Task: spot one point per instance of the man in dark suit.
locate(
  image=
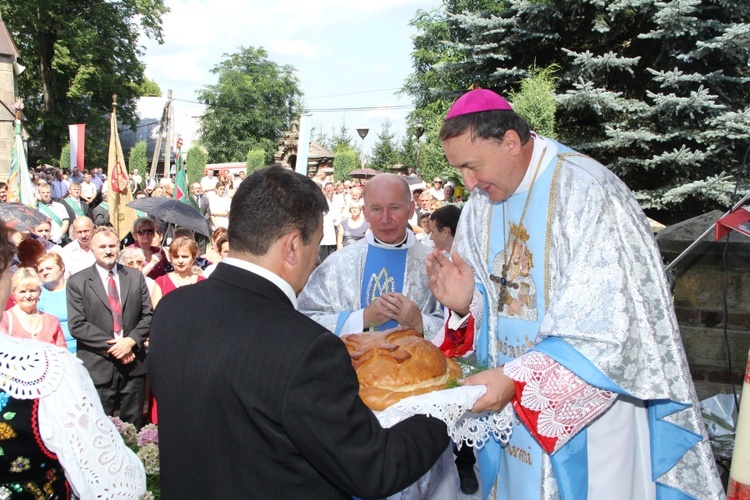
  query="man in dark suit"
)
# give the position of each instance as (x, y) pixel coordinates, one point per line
(74, 204)
(100, 213)
(109, 313)
(201, 204)
(266, 396)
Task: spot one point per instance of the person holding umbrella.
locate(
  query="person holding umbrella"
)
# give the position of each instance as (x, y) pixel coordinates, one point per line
(144, 230)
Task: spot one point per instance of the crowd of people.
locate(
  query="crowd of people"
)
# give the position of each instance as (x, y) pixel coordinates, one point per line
(246, 366)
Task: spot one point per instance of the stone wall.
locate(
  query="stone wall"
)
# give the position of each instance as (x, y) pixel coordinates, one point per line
(700, 280)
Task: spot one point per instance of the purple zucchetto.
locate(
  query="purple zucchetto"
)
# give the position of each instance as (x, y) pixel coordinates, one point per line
(476, 101)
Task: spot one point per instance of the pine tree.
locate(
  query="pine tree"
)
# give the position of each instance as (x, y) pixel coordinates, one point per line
(384, 152)
(657, 91)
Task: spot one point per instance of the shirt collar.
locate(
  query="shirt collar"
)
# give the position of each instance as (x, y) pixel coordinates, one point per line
(540, 143)
(264, 273)
(406, 243)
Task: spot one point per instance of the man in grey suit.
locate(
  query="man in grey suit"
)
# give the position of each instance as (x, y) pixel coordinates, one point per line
(109, 313)
(201, 204)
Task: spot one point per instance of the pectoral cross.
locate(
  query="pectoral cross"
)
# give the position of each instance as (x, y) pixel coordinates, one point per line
(503, 297)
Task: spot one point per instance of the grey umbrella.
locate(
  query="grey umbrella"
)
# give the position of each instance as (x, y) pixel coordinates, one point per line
(173, 211)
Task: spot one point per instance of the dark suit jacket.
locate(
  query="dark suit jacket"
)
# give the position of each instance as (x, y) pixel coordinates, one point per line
(71, 213)
(90, 321)
(203, 207)
(100, 216)
(258, 401)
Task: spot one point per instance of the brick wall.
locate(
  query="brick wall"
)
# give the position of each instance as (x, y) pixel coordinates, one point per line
(700, 280)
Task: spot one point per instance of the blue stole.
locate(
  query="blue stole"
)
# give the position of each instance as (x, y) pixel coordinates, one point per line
(384, 273)
(519, 464)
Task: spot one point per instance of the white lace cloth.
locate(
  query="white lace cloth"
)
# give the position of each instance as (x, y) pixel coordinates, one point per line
(73, 425)
(453, 406)
(565, 403)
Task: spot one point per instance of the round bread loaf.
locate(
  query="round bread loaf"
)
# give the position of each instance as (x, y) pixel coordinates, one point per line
(394, 365)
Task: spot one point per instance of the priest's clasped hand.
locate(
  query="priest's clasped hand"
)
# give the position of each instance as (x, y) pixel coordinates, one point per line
(393, 306)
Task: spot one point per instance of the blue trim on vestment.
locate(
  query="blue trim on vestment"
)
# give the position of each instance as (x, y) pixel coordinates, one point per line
(668, 441)
(374, 284)
(571, 467)
(343, 316)
(482, 343)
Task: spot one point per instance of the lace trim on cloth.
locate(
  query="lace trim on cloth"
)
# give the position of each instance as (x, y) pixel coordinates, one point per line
(106, 464)
(33, 370)
(555, 403)
(453, 406)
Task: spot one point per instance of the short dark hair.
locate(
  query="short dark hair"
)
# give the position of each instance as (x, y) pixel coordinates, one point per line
(446, 216)
(271, 203)
(486, 125)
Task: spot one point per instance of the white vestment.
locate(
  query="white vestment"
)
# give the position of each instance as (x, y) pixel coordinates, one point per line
(335, 288)
(607, 312)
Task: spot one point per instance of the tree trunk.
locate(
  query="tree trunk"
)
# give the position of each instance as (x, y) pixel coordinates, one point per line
(50, 136)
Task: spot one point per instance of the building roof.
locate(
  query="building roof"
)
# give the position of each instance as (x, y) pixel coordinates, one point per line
(318, 151)
(7, 45)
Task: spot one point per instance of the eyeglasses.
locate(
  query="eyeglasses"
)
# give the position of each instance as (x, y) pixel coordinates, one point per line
(134, 263)
(141, 232)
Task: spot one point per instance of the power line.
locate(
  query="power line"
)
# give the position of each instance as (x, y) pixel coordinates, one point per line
(318, 110)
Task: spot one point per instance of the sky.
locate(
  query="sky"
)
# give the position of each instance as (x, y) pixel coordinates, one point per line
(348, 54)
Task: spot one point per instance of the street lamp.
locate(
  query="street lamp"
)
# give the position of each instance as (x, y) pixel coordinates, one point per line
(363, 133)
(418, 132)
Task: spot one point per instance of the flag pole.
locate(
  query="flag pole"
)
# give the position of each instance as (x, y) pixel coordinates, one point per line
(120, 215)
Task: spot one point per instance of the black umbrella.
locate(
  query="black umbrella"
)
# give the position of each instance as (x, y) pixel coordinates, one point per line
(364, 173)
(21, 217)
(173, 211)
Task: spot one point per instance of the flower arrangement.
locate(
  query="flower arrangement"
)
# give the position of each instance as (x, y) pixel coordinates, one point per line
(145, 444)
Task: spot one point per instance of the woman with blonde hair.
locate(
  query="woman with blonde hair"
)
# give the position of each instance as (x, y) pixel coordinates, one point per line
(353, 228)
(54, 297)
(144, 230)
(25, 320)
(58, 442)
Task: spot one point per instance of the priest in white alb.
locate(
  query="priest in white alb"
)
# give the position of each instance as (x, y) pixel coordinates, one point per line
(378, 283)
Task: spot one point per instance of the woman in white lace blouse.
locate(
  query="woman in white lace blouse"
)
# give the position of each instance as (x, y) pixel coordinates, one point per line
(55, 435)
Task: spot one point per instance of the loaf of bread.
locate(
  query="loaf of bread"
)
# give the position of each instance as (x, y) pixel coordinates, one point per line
(395, 365)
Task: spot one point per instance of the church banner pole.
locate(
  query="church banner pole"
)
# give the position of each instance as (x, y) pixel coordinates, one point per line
(739, 473)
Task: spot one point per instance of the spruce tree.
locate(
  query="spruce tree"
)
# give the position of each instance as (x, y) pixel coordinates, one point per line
(384, 152)
(657, 91)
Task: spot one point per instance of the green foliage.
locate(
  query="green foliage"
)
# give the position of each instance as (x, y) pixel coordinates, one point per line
(138, 161)
(535, 102)
(77, 54)
(256, 159)
(196, 163)
(346, 160)
(384, 153)
(250, 107)
(432, 161)
(149, 88)
(657, 91)
(341, 141)
(65, 157)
